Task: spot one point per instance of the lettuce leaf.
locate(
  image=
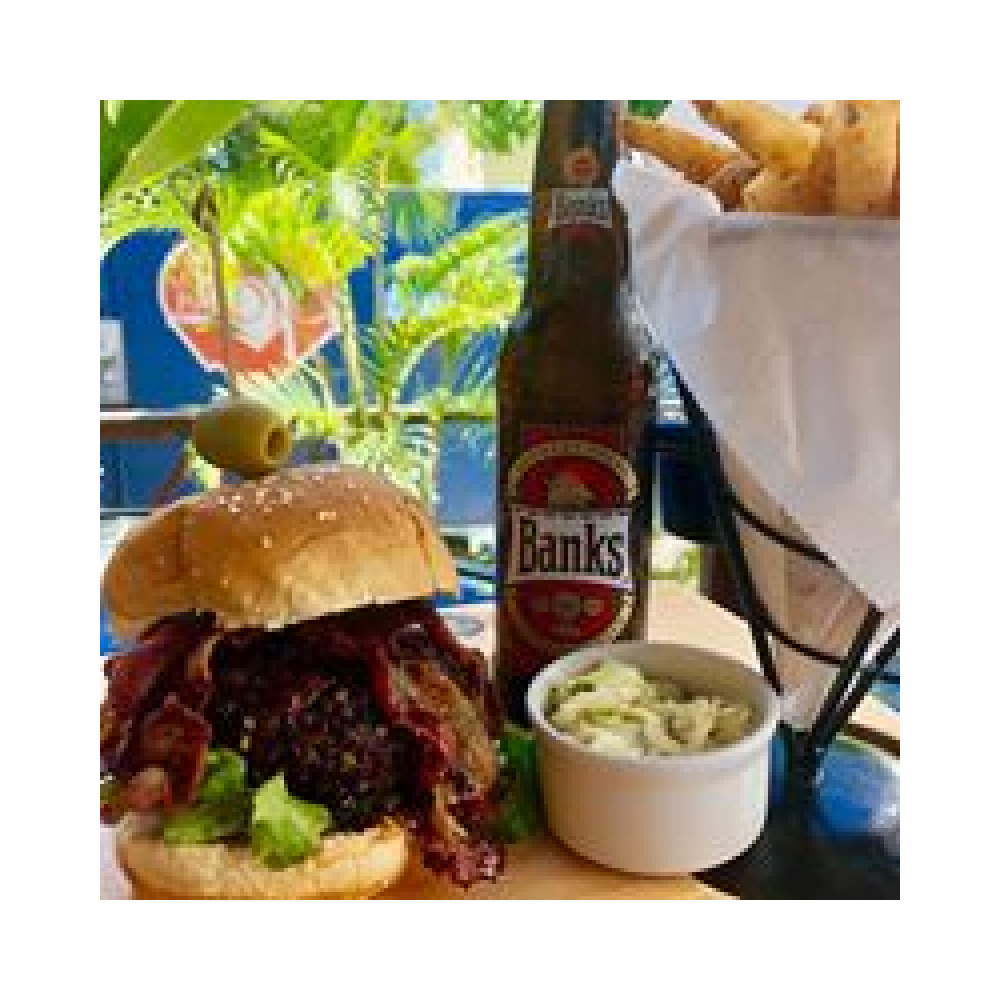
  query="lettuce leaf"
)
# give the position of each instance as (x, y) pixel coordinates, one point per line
(284, 829)
(221, 807)
(225, 777)
(519, 812)
(205, 822)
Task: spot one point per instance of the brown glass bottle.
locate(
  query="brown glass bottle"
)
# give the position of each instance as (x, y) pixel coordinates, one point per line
(575, 406)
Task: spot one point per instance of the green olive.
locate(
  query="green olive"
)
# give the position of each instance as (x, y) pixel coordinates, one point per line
(239, 435)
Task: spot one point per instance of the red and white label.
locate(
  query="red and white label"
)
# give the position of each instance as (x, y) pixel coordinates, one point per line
(568, 578)
(587, 546)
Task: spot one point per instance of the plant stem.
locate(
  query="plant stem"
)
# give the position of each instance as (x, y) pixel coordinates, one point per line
(435, 457)
(206, 216)
(349, 344)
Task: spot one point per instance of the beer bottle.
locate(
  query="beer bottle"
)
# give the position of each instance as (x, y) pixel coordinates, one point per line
(576, 397)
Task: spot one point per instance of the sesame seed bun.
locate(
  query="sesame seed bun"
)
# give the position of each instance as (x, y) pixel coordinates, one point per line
(302, 543)
(347, 865)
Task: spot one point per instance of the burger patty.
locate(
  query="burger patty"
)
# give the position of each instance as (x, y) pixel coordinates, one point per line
(321, 728)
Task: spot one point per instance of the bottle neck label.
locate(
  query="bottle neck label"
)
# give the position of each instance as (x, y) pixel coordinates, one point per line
(579, 207)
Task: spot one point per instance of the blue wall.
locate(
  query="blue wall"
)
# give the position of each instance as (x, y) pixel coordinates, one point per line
(162, 372)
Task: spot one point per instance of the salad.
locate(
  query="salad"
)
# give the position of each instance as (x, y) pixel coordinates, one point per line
(614, 708)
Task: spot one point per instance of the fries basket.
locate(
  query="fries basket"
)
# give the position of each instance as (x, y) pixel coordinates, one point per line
(852, 672)
(802, 852)
(783, 334)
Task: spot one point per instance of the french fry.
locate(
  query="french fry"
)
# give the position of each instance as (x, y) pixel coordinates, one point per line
(838, 158)
(865, 155)
(894, 194)
(696, 157)
(728, 182)
(820, 178)
(774, 191)
(819, 112)
(764, 133)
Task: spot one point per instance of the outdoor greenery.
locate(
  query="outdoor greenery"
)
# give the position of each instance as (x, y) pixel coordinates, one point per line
(311, 190)
(306, 188)
(427, 361)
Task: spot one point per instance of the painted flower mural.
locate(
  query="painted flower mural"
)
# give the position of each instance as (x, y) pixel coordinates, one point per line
(271, 328)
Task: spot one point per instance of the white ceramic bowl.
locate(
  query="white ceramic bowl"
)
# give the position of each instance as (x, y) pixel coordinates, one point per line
(658, 815)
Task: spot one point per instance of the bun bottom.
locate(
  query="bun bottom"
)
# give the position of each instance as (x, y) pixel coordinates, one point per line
(347, 865)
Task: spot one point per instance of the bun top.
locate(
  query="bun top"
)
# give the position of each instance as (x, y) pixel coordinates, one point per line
(301, 543)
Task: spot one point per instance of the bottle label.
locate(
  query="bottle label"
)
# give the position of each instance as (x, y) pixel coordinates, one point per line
(579, 207)
(568, 577)
(575, 545)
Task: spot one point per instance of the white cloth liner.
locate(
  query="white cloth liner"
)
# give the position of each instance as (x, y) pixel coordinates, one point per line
(786, 330)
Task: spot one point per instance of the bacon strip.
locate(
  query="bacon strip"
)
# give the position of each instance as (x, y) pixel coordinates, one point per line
(409, 699)
(197, 687)
(447, 642)
(465, 861)
(457, 766)
(132, 677)
(147, 789)
(175, 739)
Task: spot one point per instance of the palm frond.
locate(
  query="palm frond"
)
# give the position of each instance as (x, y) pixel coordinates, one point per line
(301, 395)
(321, 134)
(123, 124)
(449, 296)
(421, 219)
(479, 370)
(286, 228)
(496, 241)
(403, 452)
(498, 126)
(159, 205)
(386, 349)
(402, 150)
(144, 141)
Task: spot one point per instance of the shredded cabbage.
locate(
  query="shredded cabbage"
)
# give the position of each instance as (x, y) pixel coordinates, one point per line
(617, 710)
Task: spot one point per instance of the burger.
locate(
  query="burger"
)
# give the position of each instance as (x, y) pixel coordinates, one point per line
(291, 716)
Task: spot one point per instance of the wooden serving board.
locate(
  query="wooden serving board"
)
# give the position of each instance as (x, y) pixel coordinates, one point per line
(541, 868)
(536, 869)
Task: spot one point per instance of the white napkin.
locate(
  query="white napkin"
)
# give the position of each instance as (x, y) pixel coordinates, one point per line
(786, 330)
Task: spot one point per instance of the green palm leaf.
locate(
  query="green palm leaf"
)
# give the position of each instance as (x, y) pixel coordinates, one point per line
(172, 138)
(498, 126)
(301, 394)
(155, 206)
(419, 218)
(123, 124)
(495, 242)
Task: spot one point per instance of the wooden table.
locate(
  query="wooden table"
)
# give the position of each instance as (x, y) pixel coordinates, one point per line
(129, 423)
(540, 868)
